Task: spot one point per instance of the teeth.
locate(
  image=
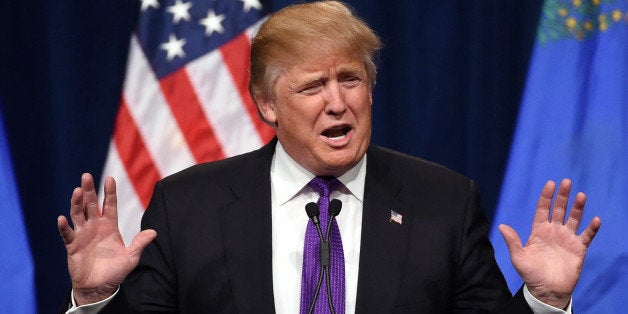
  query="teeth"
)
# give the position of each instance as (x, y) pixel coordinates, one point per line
(335, 138)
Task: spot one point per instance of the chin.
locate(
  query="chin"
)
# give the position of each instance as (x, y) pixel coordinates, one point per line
(339, 166)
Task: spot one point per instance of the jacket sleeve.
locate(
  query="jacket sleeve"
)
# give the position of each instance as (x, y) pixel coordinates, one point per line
(479, 281)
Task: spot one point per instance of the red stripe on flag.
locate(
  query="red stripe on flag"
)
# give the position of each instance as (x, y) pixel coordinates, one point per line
(236, 55)
(188, 112)
(135, 157)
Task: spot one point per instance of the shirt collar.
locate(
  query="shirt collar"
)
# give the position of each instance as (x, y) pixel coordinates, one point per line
(289, 178)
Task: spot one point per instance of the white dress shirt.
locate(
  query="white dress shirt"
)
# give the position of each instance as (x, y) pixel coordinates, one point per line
(290, 193)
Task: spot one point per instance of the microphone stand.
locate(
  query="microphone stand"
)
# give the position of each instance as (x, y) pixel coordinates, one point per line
(313, 212)
(326, 268)
(325, 249)
(334, 209)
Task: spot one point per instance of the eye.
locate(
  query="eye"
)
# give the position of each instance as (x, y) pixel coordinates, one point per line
(351, 81)
(311, 89)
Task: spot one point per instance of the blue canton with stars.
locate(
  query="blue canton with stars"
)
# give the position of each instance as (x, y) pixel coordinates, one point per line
(175, 32)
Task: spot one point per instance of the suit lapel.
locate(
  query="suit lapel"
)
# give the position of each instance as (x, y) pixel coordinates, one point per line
(247, 234)
(384, 242)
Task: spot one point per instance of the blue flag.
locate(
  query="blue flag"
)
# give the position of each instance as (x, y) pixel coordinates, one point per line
(17, 293)
(573, 123)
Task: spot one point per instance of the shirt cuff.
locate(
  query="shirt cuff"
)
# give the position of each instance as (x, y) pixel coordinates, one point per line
(539, 307)
(88, 308)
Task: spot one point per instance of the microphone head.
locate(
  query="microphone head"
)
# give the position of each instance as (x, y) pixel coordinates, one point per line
(334, 207)
(311, 209)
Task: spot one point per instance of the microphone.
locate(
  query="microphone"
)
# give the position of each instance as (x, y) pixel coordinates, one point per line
(334, 209)
(312, 211)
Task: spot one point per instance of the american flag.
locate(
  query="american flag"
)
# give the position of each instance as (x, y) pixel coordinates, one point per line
(395, 217)
(185, 98)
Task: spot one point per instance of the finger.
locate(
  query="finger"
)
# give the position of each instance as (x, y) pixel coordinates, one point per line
(560, 203)
(67, 234)
(139, 243)
(542, 207)
(511, 238)
(575, 216)
(110, 202)
(77, 214)
(589, 233)
(90, 198)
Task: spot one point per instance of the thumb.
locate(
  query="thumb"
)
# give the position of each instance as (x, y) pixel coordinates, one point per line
(511, 238)
(140, 242)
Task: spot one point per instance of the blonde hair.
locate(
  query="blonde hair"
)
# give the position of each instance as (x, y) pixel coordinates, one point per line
(295, 32)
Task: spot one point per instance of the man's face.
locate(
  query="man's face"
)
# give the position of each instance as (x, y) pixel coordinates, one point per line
(322, 113)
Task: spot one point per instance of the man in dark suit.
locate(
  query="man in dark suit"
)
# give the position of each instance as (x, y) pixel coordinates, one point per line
(228, 236)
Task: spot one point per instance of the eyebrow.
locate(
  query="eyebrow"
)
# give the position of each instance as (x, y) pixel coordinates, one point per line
(342, 70)
(350, 68)
(296, 86)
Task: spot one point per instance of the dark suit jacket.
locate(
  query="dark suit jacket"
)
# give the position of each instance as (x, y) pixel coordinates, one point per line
(212, 253)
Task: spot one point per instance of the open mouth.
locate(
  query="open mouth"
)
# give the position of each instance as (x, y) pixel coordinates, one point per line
(336, 133)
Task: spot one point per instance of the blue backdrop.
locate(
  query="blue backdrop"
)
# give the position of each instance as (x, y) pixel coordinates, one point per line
(16, 263)
(449, 87)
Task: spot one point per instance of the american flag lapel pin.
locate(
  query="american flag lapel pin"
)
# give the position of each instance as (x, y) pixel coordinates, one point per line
(395, 217)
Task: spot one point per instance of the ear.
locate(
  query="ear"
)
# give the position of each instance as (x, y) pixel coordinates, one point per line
(266, 108)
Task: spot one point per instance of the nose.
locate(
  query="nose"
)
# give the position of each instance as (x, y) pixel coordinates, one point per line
(334, 99)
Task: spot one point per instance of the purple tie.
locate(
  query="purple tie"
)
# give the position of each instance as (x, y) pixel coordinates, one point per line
(311, 260)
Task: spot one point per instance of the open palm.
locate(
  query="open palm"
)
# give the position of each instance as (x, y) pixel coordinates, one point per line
(98, 260)
(551, 261)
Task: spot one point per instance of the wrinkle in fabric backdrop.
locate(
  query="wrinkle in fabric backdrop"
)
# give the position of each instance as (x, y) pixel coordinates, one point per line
(449, 85)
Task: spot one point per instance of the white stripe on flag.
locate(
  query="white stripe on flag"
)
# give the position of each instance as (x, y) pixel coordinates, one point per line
(153, 117)
(222, 105)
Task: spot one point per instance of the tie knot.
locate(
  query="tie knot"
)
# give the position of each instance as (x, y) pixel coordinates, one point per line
(324, 185)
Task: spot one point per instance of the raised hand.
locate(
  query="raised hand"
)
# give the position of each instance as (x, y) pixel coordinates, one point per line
(551, 261)
(98, 261)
